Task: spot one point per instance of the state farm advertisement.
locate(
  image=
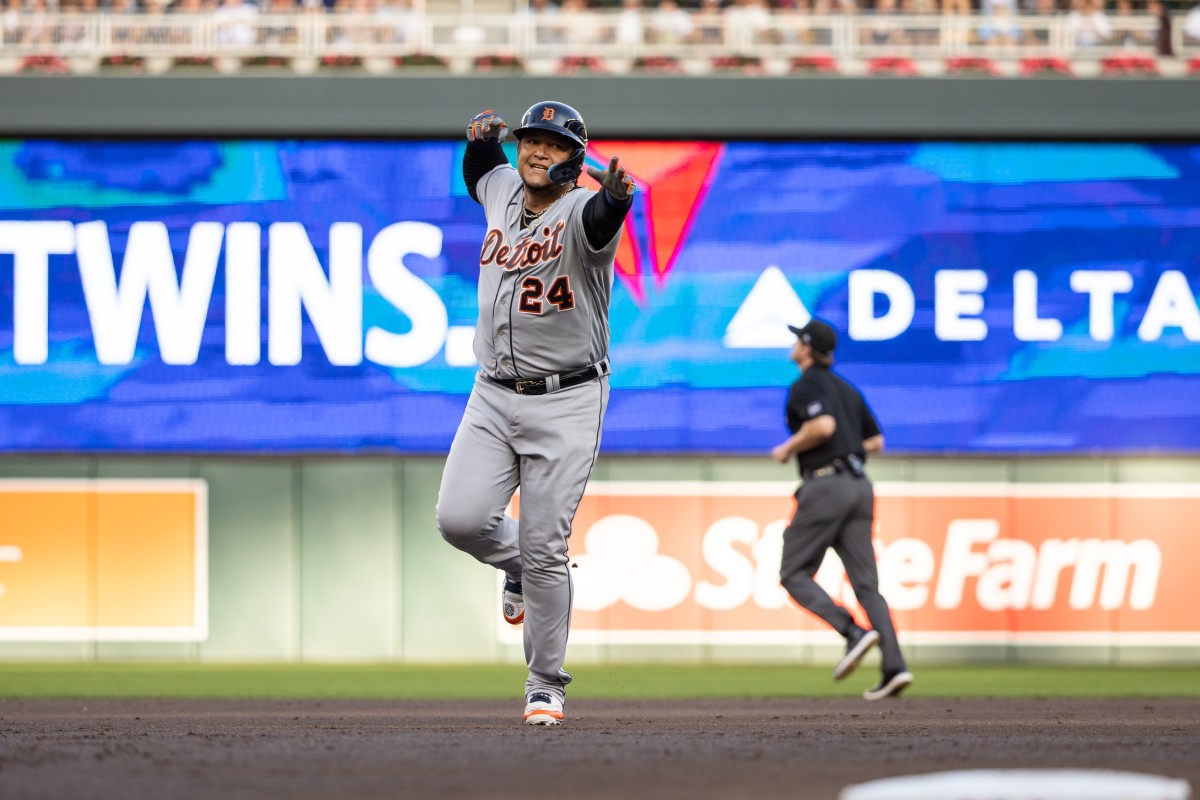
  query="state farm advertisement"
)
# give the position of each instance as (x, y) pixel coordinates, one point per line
(958, 563)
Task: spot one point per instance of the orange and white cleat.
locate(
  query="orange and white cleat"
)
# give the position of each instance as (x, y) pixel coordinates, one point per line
(512, 602)
(543, 708)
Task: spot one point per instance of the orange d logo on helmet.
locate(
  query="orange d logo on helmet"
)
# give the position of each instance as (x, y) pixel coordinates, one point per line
(548, 112)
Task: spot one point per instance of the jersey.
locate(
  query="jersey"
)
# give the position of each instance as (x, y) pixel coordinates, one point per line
(543, 291)
(819, 391)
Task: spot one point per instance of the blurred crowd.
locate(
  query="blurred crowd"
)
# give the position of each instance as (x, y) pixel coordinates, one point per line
(999, 23)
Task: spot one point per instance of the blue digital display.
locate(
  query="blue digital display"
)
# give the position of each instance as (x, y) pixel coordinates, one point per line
(319, 296)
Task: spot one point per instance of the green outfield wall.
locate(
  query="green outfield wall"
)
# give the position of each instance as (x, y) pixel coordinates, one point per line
(636, 107)
(339, 560)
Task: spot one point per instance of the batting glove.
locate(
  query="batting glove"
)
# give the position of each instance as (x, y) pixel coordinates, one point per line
(486, 126)
(615, 179)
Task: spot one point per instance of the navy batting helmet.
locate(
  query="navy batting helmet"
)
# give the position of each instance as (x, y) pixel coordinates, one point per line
(563, 120)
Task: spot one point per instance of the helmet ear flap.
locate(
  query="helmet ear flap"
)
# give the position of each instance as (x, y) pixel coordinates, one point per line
(568, 171)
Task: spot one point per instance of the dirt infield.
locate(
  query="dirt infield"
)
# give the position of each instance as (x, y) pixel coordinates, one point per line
(700, 749)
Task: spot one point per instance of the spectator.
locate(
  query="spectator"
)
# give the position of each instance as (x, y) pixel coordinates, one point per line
(187, 36)
(37, 23)
(1127, 30)
(156, 28)
(544, 17)
(750, 20)
(792, 21)
(579, 23)
(1038, 31)
(71, 32)
(192, 7)
(122, 32)
(958, 27)
(1191, 26)
(927, 32)
(11, 24)
(279, 31)
(338, 31)
(1163, 44)
(710, 22)
(999, 25)
(822, 29)
(669, 24)
(884, 27)
(629, 24)
(395, 21)
(234, 22)
(1087, 24)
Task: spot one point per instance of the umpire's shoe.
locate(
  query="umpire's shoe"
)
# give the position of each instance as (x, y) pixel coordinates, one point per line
(857, 646)
(512, 601)
(889, 686)
(543, 708)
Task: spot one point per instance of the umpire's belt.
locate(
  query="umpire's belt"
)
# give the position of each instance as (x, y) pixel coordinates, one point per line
(832, 468)
(552, 383)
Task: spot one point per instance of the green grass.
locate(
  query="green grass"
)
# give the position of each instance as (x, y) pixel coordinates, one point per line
(94, 680)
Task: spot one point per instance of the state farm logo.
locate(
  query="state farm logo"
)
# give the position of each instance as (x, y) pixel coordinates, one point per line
(958, 563)
(622, 564)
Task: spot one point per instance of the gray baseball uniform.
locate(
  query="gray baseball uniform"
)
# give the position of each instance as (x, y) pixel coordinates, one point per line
(543, 314)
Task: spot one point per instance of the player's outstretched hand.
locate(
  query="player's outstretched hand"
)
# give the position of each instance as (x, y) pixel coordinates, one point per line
(486, 126)
(618, 182)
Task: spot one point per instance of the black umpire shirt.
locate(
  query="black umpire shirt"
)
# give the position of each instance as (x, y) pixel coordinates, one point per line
(819, 391)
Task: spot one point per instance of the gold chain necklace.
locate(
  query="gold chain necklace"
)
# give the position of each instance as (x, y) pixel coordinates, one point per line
(530, 219)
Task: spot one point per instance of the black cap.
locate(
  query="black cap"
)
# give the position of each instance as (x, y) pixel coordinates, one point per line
(818, 335)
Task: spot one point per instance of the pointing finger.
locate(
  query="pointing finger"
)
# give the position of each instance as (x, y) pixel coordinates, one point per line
(595, 173)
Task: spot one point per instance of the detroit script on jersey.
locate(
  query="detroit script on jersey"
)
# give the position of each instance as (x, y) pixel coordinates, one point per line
(528, 251)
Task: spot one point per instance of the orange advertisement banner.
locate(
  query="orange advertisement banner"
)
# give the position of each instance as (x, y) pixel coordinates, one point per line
(103, 560)
(958, 563)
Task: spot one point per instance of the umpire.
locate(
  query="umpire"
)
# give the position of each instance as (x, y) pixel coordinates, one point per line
(832, 431)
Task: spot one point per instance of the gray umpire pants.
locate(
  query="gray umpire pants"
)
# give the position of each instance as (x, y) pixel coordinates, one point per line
(837, 511)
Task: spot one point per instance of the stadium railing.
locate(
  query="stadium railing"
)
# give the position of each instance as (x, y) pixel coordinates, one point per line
(597, 41)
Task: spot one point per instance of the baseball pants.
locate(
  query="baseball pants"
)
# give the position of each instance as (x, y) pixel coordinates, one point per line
(546, 444)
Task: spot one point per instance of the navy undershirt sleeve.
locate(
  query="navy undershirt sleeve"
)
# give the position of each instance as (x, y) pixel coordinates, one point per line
(480, 157)
(602, 217)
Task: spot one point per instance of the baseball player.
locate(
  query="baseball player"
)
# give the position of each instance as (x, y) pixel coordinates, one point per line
(832, 431)
(534, 416)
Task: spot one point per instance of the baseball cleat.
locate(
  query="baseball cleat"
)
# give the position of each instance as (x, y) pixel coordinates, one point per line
(889, 686)
(512, 601)
(543, 708)
(855, 650)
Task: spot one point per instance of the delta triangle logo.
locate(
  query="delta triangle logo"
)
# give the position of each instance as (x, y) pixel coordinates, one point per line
(763, 318)
(673, 179)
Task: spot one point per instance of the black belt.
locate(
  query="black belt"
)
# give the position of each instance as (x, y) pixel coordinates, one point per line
(541, 385)
(832, 468)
